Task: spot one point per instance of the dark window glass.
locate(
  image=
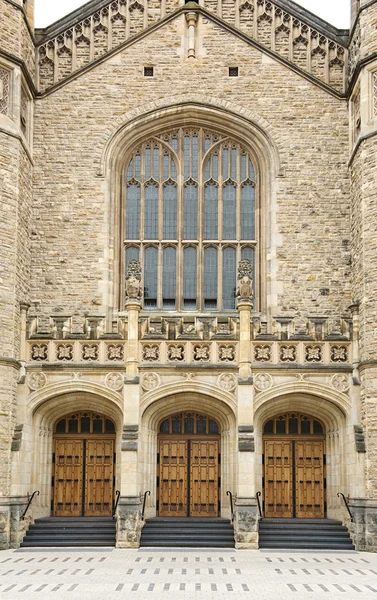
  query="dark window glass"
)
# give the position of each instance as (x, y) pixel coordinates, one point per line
(177, 425)
(305, 426)
(60, 427)
(190, 200)
(85, 424)
(151, 212)
(210, 278)
(317, 428)
(97, 425)
(201, 425)
(109, 426)
(169, 279)
(164, 427)
(170, 212)
(229, 278)
(189, 278)
(280, 425)
(150, 277)
(213, 427)
(248, 212)
(189, 425)
(229, 212)
(269, 427)
(73, 425)
(211, 211)
(293, 424)
(133, 212)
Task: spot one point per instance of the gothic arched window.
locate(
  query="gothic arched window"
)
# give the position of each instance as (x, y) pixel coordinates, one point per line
(190, 218)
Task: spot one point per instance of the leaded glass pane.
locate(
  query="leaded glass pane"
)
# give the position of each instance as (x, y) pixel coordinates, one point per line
(150, 277)
(211, 212)
(229, 278)
(210, 278)
(166, 167)
(151, 212)
(243, 166)
(169, 278)
(233, 164)
(190, 196)
(225, 168)
(129, 171)
(156, 165)
(186, 156)
(170, 212)
(189, 278)
(229, 212)
(248, 212)
(132, 253)
(137, 166)
(215, 167)
(133, 212)
(195, 156)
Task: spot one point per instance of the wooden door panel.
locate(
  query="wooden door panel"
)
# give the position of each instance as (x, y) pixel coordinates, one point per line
(309, 479)
(204, 473)
(173, 478)
(68, 477)
(278, 478)
(99, 462)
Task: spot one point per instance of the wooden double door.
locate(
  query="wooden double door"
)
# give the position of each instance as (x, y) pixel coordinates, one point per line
(294, 478)
(83, 478)
(188, 478)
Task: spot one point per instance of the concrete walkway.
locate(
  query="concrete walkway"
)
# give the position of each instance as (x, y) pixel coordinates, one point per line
(113, 574)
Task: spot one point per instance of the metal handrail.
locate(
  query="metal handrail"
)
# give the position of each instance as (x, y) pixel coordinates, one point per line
(231, 504)
(144, 501)
(258, 495)
(117, 493)
(28, 504)
(347, 506)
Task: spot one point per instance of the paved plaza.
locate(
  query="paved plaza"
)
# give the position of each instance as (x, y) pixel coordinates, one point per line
(112, 574)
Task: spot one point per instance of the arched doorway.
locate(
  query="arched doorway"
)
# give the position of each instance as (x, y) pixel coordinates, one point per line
(188, 460)
(83, 465)
(294, 479)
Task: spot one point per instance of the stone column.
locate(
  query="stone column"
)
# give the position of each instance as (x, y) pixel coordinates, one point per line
(191, 18)
(128, 514)
(246, 514)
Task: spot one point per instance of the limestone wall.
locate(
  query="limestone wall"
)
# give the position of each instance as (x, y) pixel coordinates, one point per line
(306, 214)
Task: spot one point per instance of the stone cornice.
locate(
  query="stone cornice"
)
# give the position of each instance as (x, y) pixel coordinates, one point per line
(5, 361)
(146, 32)
(368, 364)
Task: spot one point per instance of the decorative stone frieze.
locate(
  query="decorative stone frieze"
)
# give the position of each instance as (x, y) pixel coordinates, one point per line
(340, 382)
(262, 382)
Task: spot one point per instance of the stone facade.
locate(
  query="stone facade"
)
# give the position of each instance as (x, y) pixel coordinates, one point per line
(278, 81)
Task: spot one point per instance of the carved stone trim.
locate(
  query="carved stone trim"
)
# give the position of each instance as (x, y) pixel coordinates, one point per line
(129, 438)
(262, 382)
(114, 381)
(227, 382)
(246, 438)
(150, 381)
(36, 381)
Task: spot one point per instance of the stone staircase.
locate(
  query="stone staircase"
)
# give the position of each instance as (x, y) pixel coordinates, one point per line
(187, 532)
(70, 531)
(304, 534)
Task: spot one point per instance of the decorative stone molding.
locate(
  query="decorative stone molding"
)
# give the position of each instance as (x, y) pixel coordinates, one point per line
(359, 439)
(227, 353)
(130, 437)
(114, 381)
(246, 438)
(17, 438)
(115, 352)
(36, 381)
(227, 382)
(133, 281)
(150, 381)
(39, 352)
(151, 352)
(340, 382)
(262, 381)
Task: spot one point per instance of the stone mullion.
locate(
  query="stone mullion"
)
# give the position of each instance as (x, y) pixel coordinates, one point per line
(91, 37)
(128, 16)
(237, 23)
(220, 275)
(142, 194)
(273, 28)
(180, 214)
(255, 20)
(56, 60)
(145, 14)
(160, 193)
(290, 56)
(74, 49)
(200, 250)
(163, 8)
(220, 8)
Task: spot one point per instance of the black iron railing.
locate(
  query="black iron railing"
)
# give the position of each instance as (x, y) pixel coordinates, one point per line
(28, 504)
(258, 496)
(115, 506)
(231, 505)
(347, 505)
(147, 493)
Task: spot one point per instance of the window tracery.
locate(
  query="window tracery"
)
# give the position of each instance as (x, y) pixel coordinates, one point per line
(190, 201)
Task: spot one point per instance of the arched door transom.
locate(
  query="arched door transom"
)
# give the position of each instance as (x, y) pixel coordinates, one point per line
(188, 466)
(84, 457)
(294, 466)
